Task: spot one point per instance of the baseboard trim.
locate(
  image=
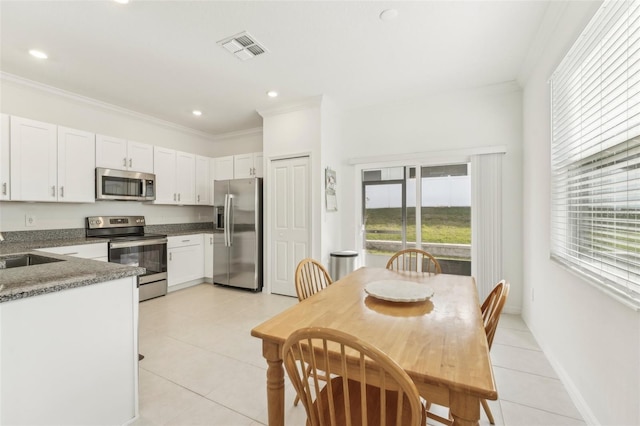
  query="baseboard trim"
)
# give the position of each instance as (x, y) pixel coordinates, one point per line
(575, 395)
(185, 284)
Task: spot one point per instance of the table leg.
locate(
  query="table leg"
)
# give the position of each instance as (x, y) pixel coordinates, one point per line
(465, 409)
(275, 383)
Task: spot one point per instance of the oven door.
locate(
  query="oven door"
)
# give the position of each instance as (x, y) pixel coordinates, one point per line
(148, 254)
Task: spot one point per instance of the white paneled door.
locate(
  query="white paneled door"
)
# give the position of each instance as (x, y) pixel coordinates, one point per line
(289, 189)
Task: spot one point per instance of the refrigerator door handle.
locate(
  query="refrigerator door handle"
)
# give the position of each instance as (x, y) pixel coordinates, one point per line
(230, 216)
(226, 220)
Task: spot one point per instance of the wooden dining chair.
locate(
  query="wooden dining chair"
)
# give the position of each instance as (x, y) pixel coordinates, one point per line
(367, 387)
(413, 259)
(310, 278)
(491, 309)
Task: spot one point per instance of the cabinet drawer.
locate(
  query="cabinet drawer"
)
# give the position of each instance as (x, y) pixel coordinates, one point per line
(184, 240)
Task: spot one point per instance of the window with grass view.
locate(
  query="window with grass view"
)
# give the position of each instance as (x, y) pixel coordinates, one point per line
(393, 196)
(595, 152)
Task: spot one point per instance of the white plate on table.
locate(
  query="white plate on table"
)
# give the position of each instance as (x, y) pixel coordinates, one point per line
(399, 291)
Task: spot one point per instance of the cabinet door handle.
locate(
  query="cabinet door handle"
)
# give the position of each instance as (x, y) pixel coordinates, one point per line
(210, 240)
(4, 188)
(185, 241)
(124, 162)
(170, 256)
(62, 192)
(178, 196)
(198, 197)
(53, 191)
(175, 198)
(130, 162)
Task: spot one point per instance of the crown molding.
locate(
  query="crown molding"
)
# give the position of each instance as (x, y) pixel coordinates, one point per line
(4, 76)
(237, 134)
(313, 102)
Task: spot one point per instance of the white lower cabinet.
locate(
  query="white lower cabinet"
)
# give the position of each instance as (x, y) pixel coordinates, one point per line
(185, 266)
(71, 356)
(208, 257)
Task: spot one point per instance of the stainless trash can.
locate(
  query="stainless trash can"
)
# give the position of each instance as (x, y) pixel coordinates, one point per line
(341, 263)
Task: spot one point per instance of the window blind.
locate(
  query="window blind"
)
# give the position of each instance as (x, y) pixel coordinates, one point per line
(595, 151)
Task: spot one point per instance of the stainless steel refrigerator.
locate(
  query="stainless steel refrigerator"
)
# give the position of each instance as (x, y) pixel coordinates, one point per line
(237, 241)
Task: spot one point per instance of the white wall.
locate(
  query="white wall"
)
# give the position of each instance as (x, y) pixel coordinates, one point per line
(464, 120)
(21, 98)
(243, 142)
(310, 128)
(592, 340)
(331, 155)
(292, 132)
(38, 103)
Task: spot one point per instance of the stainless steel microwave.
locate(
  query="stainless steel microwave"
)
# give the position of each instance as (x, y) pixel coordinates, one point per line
(124, 185)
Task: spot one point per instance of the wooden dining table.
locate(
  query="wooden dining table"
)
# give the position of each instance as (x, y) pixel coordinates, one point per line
(439, 342)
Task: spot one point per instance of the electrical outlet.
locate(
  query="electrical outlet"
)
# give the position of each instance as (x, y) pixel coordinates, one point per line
(29, 220)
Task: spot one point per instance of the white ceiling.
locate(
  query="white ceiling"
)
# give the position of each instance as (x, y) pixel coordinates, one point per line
(161, 58)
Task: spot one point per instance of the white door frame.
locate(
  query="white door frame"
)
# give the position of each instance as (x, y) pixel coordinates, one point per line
(268, 220)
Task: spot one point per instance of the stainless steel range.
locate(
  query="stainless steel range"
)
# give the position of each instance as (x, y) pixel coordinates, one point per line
(129, 245)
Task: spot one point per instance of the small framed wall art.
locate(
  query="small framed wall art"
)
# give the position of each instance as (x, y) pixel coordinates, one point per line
(330, 190)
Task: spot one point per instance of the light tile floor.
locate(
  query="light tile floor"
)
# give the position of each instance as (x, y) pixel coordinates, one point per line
(202, 367)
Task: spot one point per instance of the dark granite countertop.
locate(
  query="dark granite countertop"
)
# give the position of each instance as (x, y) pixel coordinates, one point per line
(28, 281)
(10, 247)
(19, 283)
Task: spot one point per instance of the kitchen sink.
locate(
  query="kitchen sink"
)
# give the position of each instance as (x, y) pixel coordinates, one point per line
(20, 260)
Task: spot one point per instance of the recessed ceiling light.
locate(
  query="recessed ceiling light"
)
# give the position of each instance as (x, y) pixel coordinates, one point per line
(272, 94)
(38, 54)
(122, 1)
(196, 112)
(388, 15)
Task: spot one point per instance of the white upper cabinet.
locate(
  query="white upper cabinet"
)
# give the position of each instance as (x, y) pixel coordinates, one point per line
(203, 185)
(258, 165)
(175, 176)
(111, 153)
(247, 165)
(186, 177)
(140, 156)
(76, 167)
(121, 154)
(212, 178)
(224, 168)
(5, 160)
(34, 165)
(50, 163)
(239, 166)
(164, 166)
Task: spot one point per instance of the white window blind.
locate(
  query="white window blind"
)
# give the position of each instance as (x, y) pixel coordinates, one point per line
(595, 152)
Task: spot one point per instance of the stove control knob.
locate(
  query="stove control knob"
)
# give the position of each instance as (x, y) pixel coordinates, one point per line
(98, 222)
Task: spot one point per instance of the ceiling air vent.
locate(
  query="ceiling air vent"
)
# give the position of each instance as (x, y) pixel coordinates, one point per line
(244, 46)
